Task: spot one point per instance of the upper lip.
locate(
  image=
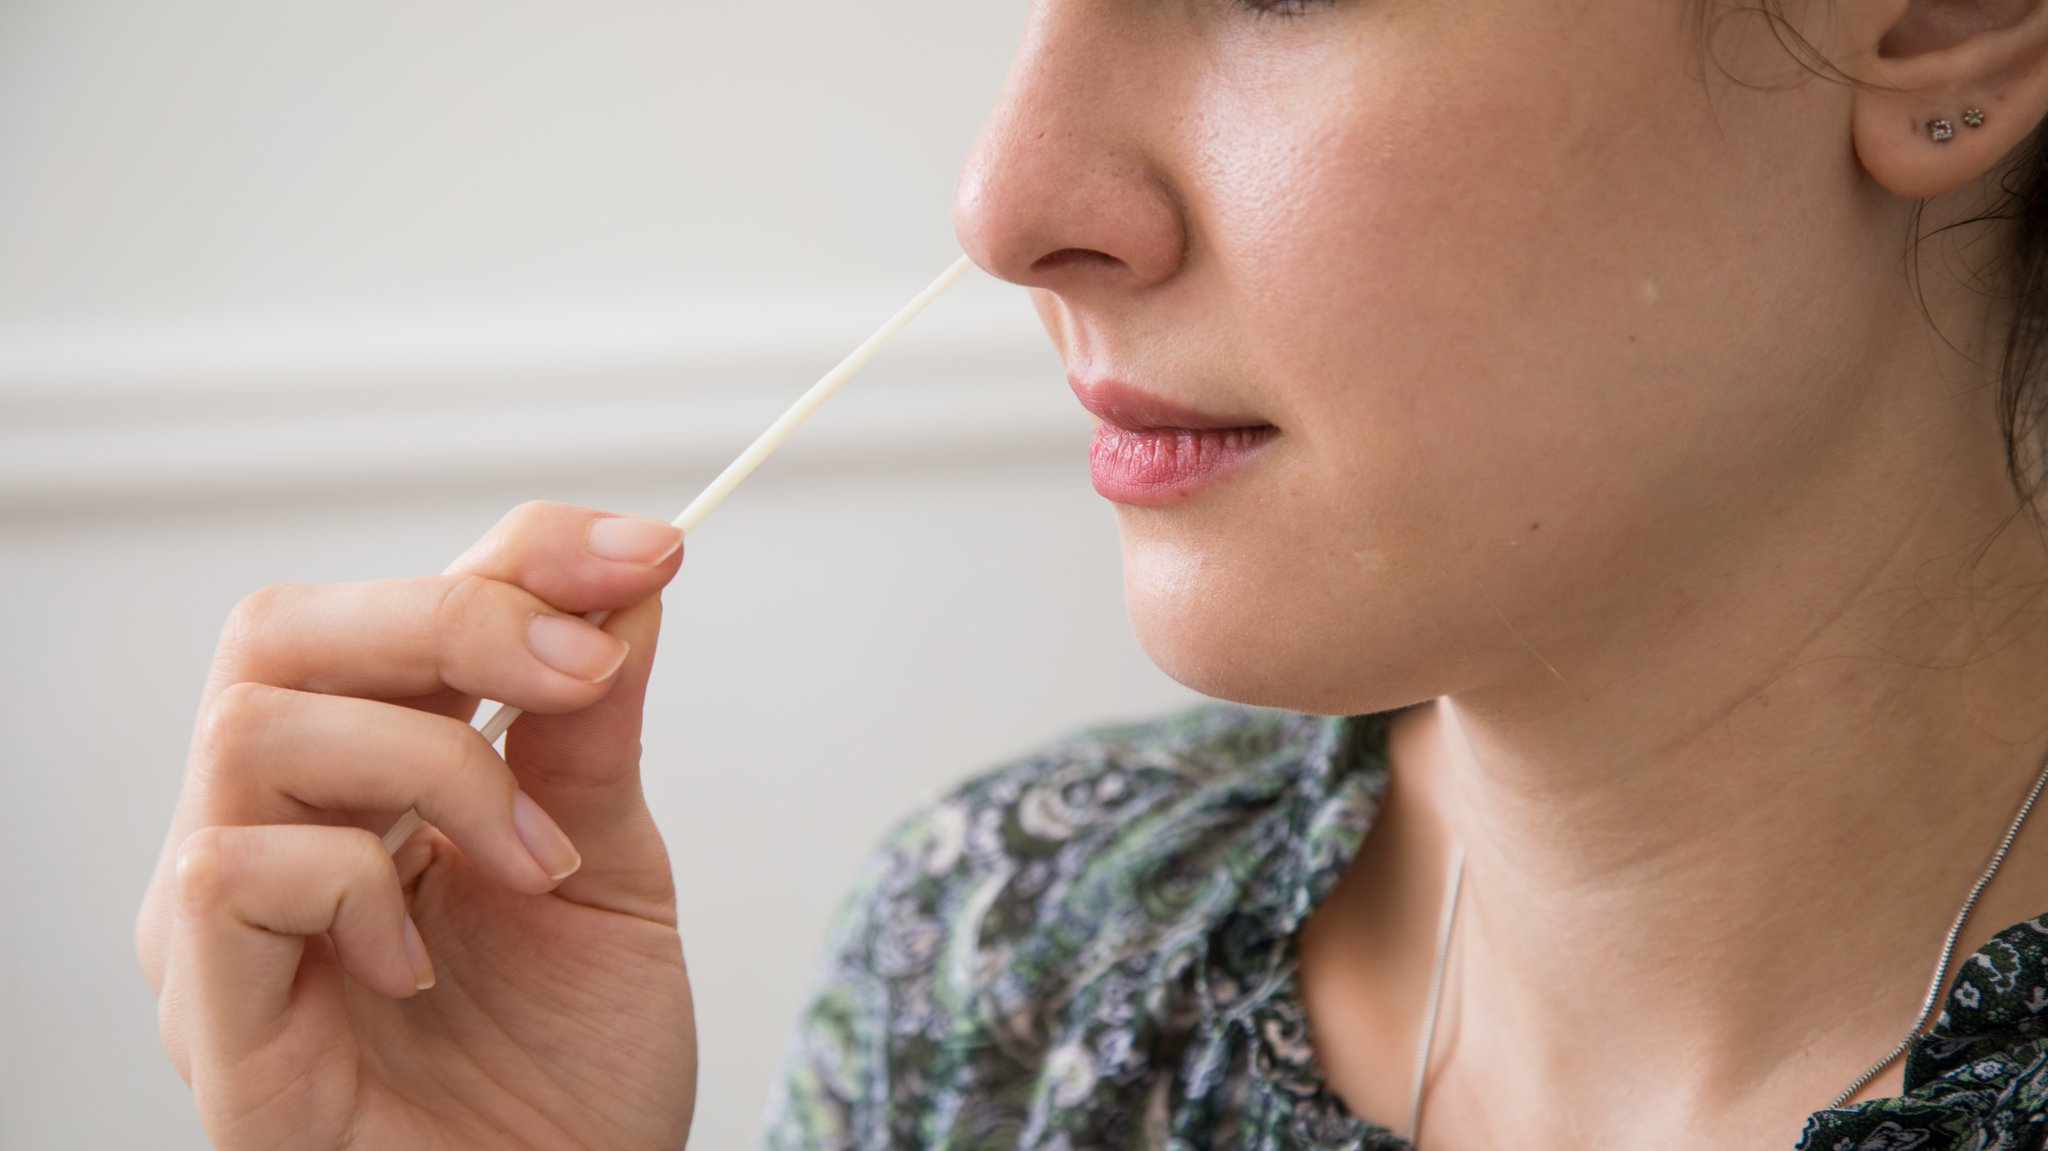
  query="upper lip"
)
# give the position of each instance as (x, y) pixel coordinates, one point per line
(1130, 408)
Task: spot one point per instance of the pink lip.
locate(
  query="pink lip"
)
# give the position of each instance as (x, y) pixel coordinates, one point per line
(1116, 402)
(1153, 452)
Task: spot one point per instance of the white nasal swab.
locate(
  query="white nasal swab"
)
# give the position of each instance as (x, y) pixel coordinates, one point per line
(736, 471)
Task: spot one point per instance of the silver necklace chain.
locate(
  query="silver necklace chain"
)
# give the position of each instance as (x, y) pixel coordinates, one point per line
(1455, 882)
(1445, 922)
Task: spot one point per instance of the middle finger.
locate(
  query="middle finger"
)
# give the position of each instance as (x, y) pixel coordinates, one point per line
(269, 755)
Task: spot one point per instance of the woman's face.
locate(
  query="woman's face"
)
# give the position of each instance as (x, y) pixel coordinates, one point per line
(1549, 303)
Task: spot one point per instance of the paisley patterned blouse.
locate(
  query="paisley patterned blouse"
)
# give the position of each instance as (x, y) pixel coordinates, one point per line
(1093, 948)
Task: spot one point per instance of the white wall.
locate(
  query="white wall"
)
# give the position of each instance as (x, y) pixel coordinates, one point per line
(309, 293)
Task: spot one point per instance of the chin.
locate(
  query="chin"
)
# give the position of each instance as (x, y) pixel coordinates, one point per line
(1252, 637)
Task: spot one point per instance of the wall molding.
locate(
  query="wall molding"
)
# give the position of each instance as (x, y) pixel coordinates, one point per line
(239, 408)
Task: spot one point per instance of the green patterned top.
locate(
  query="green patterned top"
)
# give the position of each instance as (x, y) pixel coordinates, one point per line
(1093, 947)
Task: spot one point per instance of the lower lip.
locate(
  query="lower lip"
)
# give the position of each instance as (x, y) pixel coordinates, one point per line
(1166, 465)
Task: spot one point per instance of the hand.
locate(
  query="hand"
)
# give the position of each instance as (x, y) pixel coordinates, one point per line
(292, 956)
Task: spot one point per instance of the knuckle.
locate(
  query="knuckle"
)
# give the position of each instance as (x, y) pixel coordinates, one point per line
(521, 525)
(541, 525)
(256, 604)
(259, 605)
(236, 722)
(203, 869)
(459, 598)
(362, 858)
(243, 630)
(464, 754)
(531, 514)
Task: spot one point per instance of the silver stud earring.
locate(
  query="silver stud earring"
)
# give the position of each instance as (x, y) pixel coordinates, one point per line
(1939, 130)
(1973, 117)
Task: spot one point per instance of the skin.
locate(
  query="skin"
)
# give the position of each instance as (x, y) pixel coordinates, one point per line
(274, 928)
(1611, 436)
(1611, 425)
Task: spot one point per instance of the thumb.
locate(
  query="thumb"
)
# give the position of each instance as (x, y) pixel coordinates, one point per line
(583, 769)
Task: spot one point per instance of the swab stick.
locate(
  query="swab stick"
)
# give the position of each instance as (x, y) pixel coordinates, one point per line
(730, 478)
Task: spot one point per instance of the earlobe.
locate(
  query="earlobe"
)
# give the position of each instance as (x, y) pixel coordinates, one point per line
(1917, 148)
(1949, 90)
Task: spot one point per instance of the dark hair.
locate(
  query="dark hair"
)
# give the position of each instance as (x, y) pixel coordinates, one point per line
(2024, 201)
(2019, 274)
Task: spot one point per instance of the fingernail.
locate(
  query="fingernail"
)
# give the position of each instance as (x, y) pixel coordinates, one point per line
(416, 951)
(573, 647)
(543, 839)
(634, 540)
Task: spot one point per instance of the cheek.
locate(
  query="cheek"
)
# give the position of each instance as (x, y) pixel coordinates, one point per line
(1418, 303)
(1490, 304)
(1520, 287)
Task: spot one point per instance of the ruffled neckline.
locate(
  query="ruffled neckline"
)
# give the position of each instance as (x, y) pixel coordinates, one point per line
(1979, 1076)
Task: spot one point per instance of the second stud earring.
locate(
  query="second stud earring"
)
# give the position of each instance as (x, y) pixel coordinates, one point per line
(1973, 117)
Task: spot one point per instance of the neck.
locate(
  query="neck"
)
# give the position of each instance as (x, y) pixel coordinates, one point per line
(1736, 848)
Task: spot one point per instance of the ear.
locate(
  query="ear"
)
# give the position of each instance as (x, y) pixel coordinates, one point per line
(1928, 63)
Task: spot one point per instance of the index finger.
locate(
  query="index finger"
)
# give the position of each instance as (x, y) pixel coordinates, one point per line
(573, 560)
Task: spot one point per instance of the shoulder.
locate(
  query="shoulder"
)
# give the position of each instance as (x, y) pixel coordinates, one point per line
(1067, 891)
(1095, 801)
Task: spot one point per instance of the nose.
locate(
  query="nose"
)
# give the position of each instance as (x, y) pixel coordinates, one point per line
(1064, 188)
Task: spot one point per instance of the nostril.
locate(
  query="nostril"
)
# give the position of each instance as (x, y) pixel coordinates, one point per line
(1070, 257)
